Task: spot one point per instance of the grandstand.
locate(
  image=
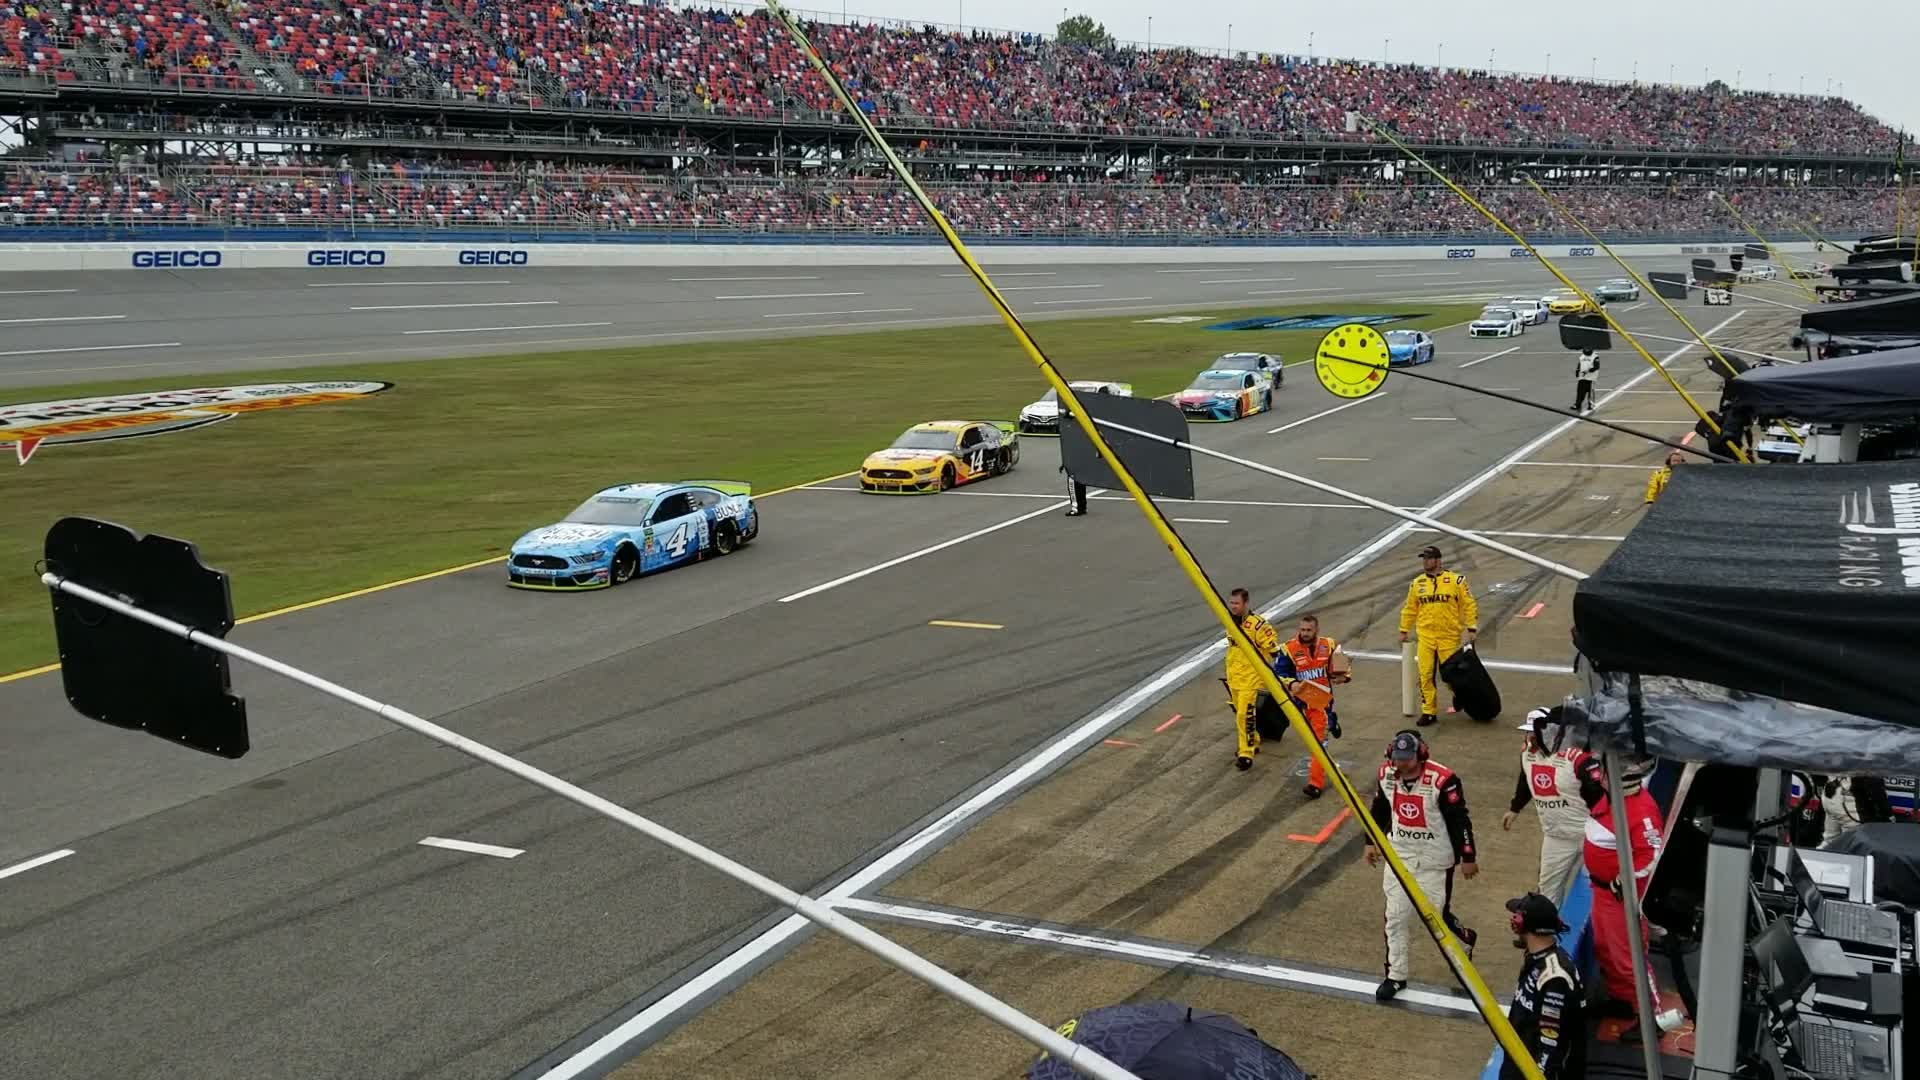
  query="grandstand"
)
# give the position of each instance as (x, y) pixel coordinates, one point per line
(647, 121)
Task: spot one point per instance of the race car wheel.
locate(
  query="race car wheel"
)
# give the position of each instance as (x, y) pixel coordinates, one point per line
(625, 565)
(1002, 461)
(726, 538)
(947, 478)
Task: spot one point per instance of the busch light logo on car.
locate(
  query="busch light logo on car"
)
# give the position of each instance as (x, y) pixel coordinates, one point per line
(176, 260)
(1519, 253)
(1580, 253)
(1461, 253)
(501, 257)
(357, 257)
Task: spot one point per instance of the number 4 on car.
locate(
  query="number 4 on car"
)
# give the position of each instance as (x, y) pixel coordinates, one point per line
(635, 529)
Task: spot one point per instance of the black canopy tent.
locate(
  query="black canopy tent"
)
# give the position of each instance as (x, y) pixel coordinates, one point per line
(1887, 314)
(1762, 616)
(1868, 388)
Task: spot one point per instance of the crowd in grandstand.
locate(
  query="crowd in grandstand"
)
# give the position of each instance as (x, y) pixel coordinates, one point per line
(427, 192)
(647, 57)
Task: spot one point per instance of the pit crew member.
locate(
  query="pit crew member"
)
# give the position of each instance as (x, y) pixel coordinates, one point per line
(1550, 779)
(1549, 1006)
(1243, 674)
(1312, 659)
(1440, 607)
(1422, 807)
(1611, 879)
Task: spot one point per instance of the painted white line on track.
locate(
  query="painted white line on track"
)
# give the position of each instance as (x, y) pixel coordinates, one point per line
(1490, 356)
(494, 329)
(65, 318)
(818, 314)
(1041, 288)
(1492, 665)
(36, 861)
(1203, 521)
(1639, 420)
(787, 295)
(755, 277)
(438, 307)
(1121, 498)
(1202, 270)
(1449, 418)
(1265, 971)
(1538, 535)
(912, 555)
(472, 848)
(86, 348)
(1344, 459)
(1021, 273)
(35, 292)
(1094, 300)
(1289, 292)
(1426, 273)
(1041, 762)
(385, 284)
(1245, 280)
(1584, 465)
(1327, 412)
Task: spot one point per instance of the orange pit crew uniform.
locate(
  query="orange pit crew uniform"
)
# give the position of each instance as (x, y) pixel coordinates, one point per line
(1313, 690)
(1438, 608)
(1243, 679)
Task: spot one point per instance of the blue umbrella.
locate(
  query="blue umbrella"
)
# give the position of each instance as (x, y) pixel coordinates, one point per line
(1162, 1040)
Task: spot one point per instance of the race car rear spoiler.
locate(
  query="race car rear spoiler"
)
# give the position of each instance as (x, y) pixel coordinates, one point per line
(1007, 427)
(726, 487)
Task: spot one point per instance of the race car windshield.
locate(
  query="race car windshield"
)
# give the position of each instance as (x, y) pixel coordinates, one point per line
(612, 510)
(1216, 382)
(1401, 337)
(1497, 314)
(1049, 398)
(1237, 363)
(924, 440)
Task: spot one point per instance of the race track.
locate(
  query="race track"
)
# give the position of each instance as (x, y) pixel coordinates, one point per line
(75, 327)
(790, 705)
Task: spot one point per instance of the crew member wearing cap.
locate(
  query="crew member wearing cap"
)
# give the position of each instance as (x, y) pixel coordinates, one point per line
(1549, 1008)
(1421, 806)
(1610, 878)
(1440, 607)
(1657, 483)
(1550, 776)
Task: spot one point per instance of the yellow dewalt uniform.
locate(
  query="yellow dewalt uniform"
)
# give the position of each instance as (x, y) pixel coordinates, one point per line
(1439, 606)
(1243, 678)
(1657, 483)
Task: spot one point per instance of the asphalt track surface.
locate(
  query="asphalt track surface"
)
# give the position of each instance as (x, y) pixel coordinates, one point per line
(790, 705)
(75, 327)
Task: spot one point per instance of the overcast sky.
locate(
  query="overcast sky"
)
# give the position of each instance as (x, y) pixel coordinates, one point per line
(1794, 44)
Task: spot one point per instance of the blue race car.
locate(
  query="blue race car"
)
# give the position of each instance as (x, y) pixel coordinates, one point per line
(1407, 347)
(635, 529)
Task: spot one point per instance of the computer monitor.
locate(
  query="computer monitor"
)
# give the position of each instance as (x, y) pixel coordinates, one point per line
(1803, 884)
(1782, 965)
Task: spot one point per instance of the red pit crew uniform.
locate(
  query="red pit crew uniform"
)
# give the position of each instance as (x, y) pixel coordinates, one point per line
(1426, 819)
(1609, 906)
(1552, 782)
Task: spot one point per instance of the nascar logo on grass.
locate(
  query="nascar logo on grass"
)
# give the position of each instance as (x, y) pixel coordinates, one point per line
(26, 427)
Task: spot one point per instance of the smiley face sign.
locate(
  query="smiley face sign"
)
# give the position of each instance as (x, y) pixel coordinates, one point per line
(1352, 360)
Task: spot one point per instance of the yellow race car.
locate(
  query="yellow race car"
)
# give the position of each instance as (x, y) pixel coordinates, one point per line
(942, 454)
(1568, 304)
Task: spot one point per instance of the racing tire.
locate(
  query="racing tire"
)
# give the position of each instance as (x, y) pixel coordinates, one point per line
(947, 478)
(626, 566)
(726, 539)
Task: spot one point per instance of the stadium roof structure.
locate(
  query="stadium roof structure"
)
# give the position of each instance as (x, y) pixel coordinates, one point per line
(1762, 616)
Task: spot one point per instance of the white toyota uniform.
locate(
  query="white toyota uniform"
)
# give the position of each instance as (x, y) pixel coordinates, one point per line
(1551, 782)
(1426, 820)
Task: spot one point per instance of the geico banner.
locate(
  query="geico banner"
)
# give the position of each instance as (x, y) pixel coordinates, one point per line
(347, 257)
(1462, 253)
(492, 257)
(1581, 253)
(181, 259)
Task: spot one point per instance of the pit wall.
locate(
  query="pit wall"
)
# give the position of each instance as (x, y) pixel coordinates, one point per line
(183, 255)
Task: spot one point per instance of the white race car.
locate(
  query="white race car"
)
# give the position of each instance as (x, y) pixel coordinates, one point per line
(1534, 311)
(1043, 416)
(1762, 272)
(1497, 322)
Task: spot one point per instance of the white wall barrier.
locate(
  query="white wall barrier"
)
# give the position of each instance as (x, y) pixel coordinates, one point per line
(190, 256)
